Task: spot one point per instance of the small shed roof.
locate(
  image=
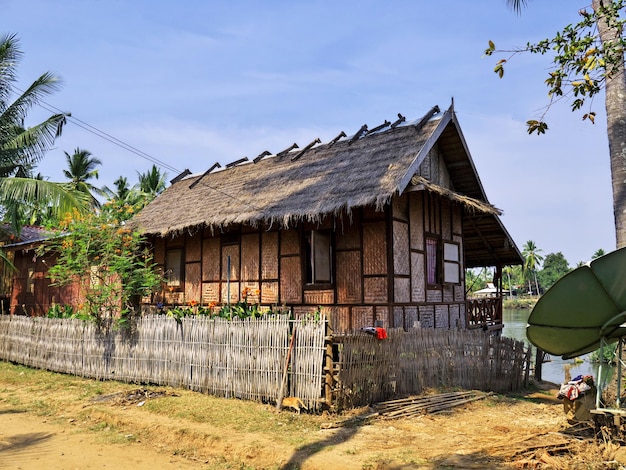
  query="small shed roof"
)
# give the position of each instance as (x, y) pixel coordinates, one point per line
(307, 184)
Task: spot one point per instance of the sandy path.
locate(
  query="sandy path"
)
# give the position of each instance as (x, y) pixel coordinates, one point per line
(31, 443)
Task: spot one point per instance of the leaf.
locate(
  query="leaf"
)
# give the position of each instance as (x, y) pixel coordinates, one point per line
(539, 127)
(499, 69)
(591, 116)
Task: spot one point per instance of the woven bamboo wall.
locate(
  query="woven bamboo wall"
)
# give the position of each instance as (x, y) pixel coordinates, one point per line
(243, 359)
(411, 362)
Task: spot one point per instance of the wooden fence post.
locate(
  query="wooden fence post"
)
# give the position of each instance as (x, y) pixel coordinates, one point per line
(328, 366)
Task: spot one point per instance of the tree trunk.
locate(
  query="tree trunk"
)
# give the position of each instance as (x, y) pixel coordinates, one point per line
(615, 103)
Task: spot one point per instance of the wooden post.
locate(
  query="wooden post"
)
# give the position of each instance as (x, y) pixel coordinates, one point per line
(539, 364)
(328, 366)
(279, 401)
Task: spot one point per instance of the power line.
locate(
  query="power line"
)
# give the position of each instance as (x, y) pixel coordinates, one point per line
(103, 135)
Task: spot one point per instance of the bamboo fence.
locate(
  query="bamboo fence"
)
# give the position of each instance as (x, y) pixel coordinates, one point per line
(246, 358)
(406, 363)
(238, 358)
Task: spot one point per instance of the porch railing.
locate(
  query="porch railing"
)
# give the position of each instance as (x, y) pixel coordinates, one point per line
(484, 313)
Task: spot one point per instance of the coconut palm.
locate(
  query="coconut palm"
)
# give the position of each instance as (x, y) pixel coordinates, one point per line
(599, 252)
(152, 182)
(532, 259)
(82, 168)
(604, 53)
(21, 148)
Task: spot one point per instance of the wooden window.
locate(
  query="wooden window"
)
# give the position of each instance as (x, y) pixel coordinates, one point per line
(318, 257)
(451, 263)
(433, 263)
(174, 268)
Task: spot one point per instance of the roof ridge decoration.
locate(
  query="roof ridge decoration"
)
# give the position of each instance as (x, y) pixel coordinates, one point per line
(215, 165)
(303, 151)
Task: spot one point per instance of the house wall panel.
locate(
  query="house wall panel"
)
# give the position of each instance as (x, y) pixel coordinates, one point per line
(446, 219)
(374, 248)
(319, 297)
(269, 293)
(231, 251)
(402, 290)
(193, 248)
(300, 311)
(252, 291)
(455, 316)
(442, 316)
(462, 315)
(269, 255)
(400, 207)
(192, 282)
(159, 250)
(211, 259)
(416, 221)
(401, 258)
(250, 261)
(210, 292)
(289, 242)
(348, 235)
(434, 296)
(418, 279)
(411, 317)
(375, 290)
(457, 219)
(349, 277)
(398, 317)
(382, 314)
(290, 280)
(427, 316)
(340, 320)
(362, 316)
(233, 288)
(175, 298)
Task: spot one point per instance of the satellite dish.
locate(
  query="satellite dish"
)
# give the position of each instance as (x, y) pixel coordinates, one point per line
(584, 306)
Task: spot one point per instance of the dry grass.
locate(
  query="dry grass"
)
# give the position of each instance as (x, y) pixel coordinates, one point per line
(527, 430)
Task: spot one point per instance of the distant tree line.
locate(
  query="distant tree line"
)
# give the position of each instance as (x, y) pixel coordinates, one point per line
(535, 276)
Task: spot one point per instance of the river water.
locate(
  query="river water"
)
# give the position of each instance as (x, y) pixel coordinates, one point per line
(555, 369)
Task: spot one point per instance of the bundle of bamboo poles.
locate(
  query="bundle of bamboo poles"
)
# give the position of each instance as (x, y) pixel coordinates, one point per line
(412, 406)
(427, 404)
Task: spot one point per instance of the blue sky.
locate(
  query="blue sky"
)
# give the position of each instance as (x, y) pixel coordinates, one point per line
(195, 82)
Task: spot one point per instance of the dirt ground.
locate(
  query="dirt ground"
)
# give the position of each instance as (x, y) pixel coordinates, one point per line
(525, 431)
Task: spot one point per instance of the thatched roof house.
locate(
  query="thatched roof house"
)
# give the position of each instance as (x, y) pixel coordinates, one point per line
(333, 178)
(403, 174)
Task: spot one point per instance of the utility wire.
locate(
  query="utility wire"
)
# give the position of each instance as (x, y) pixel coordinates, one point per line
(103, 135)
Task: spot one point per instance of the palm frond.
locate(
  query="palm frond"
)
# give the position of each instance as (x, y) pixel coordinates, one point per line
(59, 197)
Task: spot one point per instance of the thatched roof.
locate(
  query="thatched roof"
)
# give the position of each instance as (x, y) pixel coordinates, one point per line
(307, 184)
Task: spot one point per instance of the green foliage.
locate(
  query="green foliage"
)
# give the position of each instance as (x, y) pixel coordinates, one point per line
(23, 197)
(65, 311)
(108, 263)
(581, 62)
(242, 309)
(555, 266)
(605, 354)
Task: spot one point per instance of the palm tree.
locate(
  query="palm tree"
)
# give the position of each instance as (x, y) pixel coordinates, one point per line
(152, 182)
(82, 168)
(610, 31)
(532, 259)
(599, 252)
(508, 270)
(22, 148)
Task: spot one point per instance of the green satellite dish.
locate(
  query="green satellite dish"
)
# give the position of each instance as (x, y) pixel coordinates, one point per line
(582, 308)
